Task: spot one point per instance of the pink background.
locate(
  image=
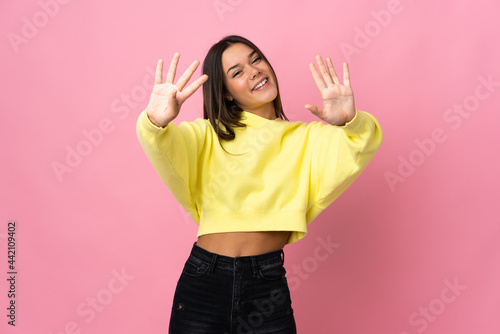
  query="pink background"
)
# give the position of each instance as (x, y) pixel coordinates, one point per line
(422, 217)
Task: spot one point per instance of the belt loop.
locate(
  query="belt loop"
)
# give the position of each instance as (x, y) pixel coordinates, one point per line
(212, 264)
(254, 266)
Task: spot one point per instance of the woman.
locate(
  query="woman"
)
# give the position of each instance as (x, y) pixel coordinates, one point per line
(250, 179)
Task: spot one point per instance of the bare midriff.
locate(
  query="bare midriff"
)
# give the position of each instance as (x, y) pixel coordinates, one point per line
(236, 244)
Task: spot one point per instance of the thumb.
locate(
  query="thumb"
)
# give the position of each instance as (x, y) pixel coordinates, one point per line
(313, 109)
(172, 101)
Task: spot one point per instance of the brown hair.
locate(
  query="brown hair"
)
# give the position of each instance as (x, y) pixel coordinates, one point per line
(216, 108)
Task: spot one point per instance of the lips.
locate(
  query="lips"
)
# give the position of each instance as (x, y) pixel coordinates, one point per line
(261, 83)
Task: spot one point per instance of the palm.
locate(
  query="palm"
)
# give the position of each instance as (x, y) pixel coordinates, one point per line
(338, 99)
(160, 97)
(338, 104)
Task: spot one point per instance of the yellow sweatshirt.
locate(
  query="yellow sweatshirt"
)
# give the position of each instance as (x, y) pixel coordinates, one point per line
(280, 175)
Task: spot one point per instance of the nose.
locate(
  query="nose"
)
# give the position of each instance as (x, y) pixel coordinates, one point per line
(254, 72)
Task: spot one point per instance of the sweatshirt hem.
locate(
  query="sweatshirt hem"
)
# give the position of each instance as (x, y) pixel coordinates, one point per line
(221, 222)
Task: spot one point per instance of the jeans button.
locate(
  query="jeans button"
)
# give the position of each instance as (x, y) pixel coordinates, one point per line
(237, 262)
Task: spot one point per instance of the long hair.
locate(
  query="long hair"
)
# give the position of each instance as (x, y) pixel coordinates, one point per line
(216, 108)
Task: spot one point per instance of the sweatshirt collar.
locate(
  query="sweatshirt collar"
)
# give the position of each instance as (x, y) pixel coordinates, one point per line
(254, 119)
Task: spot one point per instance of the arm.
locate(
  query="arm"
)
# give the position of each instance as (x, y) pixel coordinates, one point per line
(345, 146)
(174, 152)
(172, 149)
(340, 154)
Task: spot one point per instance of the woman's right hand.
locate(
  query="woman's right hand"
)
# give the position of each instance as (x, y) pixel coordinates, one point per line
(166, 99)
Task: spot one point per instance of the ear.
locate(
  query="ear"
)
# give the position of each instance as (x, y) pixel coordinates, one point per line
(228, 97)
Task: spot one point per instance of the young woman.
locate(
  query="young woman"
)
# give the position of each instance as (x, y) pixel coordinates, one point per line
(251, 180)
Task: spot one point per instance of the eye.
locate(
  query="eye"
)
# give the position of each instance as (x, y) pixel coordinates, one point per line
(236, 73)
(256, 59)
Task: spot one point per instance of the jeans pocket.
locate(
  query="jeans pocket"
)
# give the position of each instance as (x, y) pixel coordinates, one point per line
(195, 267)
(273, 271)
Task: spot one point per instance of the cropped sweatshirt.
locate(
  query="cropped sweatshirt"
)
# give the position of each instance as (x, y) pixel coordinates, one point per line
(278, 175)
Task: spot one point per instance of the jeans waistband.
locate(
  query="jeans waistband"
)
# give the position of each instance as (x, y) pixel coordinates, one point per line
(241, 262)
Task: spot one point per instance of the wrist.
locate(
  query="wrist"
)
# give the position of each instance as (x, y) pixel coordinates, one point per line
(156, 124)
(349, 119)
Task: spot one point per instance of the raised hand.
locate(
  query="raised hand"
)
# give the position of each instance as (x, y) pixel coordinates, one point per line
(166, 99)
(338, 99)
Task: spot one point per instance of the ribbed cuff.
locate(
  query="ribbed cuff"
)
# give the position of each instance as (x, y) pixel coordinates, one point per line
(357, 124)
(353, 120)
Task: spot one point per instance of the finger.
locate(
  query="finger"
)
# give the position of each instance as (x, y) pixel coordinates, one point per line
(332, 71)
(183, 80)
(347, 80)
(313, 109)
(186, 93)
(173, 68)
(158, 73)
(317, 79)
(324, 71)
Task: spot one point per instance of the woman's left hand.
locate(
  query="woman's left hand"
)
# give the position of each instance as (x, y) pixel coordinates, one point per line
(338, 99)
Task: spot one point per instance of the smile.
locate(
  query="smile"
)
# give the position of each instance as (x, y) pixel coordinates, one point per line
(260, 84)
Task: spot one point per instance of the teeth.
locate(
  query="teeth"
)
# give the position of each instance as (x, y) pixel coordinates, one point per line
(261, 84)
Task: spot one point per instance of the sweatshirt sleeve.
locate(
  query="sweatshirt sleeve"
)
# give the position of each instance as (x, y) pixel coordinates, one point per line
(174, 153)
(339, 155)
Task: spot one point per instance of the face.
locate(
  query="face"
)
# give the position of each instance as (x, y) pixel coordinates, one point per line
(248, 78)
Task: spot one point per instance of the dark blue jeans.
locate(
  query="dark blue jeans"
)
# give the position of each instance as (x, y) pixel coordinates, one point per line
(232, 295)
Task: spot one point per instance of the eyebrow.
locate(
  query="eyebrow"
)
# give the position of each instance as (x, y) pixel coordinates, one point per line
(249, 56)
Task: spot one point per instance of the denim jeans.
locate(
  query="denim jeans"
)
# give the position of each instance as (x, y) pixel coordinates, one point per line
(231, 295)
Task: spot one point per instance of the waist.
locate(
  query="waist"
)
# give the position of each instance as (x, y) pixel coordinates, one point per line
(236, 244)
(240, 262)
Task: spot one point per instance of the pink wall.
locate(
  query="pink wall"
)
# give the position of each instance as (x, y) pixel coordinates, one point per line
(415, 242)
